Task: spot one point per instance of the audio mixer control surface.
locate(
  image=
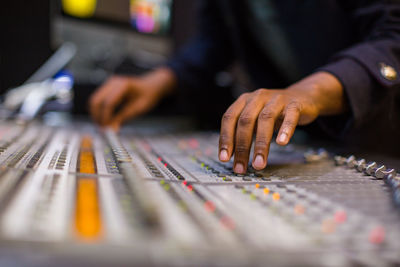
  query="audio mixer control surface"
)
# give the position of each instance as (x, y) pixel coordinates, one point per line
(163, 198)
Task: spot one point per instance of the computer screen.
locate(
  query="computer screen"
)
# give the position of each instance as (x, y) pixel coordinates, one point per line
(144, 16)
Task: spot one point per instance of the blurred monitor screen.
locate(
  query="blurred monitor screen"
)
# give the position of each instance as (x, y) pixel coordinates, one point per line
(144, 16)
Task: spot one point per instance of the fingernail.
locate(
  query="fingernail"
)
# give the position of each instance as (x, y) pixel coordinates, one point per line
(259, 162)
(239, 168)
(223, 155)
(283, 137)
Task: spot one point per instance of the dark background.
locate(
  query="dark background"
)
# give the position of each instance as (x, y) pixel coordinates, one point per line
(25, 45)
(32, 30)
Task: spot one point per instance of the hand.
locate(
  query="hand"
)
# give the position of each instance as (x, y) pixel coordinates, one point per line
(137, 95)
(263, 110)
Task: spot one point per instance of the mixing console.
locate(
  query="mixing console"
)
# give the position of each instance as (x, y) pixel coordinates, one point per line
(163, 198)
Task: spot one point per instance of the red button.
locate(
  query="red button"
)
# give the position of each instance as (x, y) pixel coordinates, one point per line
(340, 216)
(377, 235)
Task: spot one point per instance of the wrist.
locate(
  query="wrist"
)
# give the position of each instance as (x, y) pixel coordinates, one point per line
(162, 80)
(324, 90)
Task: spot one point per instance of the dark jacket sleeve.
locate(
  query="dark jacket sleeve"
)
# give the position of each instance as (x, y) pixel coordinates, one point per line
(209, 52)
(368, 69)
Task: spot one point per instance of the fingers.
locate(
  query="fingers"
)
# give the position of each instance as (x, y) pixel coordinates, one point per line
(135, 108)
(292, 115)
(104, 102)
(228, 127)
(244, 133)
(96, 102)
(265, 129)
(111, 102)
(102, 95)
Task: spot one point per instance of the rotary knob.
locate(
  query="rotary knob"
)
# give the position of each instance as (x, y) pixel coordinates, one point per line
(382, 172)
(370, 168)
(339, 160)
(351, 161)
(360, 165)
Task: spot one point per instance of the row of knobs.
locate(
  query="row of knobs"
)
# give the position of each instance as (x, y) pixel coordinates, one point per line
(380, 172)
(368, 168)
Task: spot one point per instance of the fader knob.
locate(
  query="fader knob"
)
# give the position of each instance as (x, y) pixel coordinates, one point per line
(323, 153)
(378, 170)
(370, 167)
(360, 165)
(339, 160)
(381, 173)
(351, 161)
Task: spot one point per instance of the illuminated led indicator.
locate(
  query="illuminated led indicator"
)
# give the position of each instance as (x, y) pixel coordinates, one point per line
(159, 159)
(193, 143)
(86, 157)
(276, 196)
(209, 151)
(190, 187)
(162, 182)
(227, 222)
(340, 216)
(79, 8)
(257, 185)
(184, 182)
(266, 190)
(299, 209)
(209, 206)
(165, 164)
(328, 226)
(377, 235)
(86, 142)
(87, 211)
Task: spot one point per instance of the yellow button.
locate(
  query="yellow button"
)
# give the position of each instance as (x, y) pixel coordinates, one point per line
(88, 222)
(257, 185)
(299, 209)
(266, 190)
(328, 226)
(276, 196)
(388, 72)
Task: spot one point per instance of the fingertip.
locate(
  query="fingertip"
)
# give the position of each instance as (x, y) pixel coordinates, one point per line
(259, 163)
(116, 126)
(282, 139)
(239, 168)
(223, 155)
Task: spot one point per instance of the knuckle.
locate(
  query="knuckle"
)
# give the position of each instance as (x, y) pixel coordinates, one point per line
(261, 144)
(224, 139)
(294, 106)
(241, 149)
(228, 116)
(288, 124)
(278, 97)
(245, 120)
(244, 96)
(259, 92)
(267, 114)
